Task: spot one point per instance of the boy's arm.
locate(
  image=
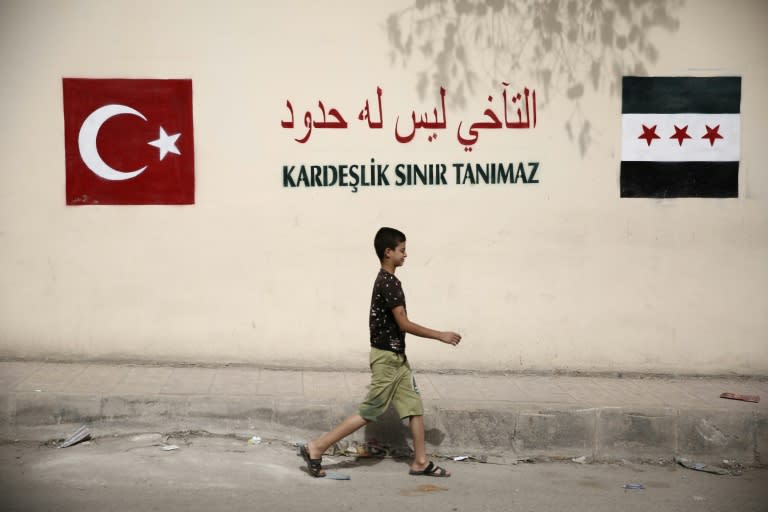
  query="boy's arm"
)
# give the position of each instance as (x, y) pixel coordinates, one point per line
(401, 317)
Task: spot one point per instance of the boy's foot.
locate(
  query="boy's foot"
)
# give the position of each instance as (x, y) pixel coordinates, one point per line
(429, 470)
(314, 464)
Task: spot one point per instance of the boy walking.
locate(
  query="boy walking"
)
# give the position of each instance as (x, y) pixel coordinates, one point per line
(391, 377)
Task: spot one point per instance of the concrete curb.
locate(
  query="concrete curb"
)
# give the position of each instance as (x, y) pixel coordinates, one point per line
(498, 428)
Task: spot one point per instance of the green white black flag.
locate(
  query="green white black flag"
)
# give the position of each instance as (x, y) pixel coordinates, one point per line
(680, 137)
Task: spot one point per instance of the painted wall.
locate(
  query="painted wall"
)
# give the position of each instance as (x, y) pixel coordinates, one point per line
(559, 274)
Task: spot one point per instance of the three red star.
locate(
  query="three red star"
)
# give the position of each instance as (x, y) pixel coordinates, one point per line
(649, 134)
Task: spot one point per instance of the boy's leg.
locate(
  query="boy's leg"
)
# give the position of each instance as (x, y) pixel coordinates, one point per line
(419, 444)
(375, 403)
(384, 367)
(318, 446)
(420, 461)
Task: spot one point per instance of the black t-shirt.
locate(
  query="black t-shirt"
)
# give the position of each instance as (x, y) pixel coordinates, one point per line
(387, 294)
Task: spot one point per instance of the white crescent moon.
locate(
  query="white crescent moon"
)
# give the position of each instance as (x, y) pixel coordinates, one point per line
(87, 142)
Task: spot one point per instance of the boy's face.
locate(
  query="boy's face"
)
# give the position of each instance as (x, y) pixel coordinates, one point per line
(397, 255)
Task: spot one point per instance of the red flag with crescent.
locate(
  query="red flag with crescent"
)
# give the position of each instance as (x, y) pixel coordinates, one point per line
(128, 141)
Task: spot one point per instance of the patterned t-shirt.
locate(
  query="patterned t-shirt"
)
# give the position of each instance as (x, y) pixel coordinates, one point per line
(387, 294)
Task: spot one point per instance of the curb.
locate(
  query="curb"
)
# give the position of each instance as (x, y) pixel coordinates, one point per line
(491, 428)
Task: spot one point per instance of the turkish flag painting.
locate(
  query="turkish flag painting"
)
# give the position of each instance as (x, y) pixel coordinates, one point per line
(128, 141)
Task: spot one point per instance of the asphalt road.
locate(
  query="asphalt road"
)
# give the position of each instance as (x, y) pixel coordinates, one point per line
(224, 473)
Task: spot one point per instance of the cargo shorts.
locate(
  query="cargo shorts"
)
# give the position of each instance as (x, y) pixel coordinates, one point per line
(392, 382)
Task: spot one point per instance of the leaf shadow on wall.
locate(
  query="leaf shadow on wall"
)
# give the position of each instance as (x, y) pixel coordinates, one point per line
(565, 46)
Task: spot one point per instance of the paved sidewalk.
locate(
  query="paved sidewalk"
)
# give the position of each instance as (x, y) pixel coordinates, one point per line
(520, 415)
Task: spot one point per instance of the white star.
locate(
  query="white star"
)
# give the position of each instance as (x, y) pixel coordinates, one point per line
(166, 143)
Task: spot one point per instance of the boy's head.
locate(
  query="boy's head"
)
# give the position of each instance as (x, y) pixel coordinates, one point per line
(387, 238)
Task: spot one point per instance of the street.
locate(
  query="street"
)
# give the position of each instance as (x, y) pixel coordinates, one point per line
(135, 472)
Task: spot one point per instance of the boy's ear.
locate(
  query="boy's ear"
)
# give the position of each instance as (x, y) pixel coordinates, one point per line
(387, 253)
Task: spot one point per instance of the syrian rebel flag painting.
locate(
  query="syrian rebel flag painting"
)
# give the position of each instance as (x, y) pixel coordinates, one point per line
(128, 141)
(680, 137)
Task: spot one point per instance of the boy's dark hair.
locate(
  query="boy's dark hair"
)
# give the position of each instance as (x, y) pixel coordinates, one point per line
(387, 238)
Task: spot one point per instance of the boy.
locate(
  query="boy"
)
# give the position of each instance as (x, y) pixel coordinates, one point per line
(391, 379)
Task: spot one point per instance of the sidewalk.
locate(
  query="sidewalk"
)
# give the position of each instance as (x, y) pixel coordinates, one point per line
(602, 418)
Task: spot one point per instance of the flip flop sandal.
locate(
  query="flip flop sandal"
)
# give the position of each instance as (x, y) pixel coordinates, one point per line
(314, 466)
(430, 470)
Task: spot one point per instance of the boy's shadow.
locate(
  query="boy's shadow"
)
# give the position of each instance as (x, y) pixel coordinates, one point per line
(391, 436)
(394, 434)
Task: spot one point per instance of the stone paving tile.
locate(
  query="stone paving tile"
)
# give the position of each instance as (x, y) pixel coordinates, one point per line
(671, 394)
(723, 433)
(616, 392)
(571, 386)
(54, 408)
(571, 432)
(595, 393)
(236, 381)
(273, 382)
(709, 390)
(427, 389)
(97, 379)
(51, 377)
(137, 406)
(12, 373)
(678, 393)
(232, 407)
(626, 432)
(189, 381)
(646, 392)
(456, 387)
(501, 388)
(548, 397)
(634, 392)
(316, 415)
(327, 385)
(357, 384)
(542, 389)
(141, 380)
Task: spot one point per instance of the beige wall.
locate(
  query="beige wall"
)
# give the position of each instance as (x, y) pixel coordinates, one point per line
(562, 274)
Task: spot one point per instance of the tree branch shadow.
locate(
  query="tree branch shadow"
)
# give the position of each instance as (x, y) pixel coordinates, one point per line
(567, 46)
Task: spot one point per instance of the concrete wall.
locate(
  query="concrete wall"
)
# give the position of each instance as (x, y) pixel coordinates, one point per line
(560, 274)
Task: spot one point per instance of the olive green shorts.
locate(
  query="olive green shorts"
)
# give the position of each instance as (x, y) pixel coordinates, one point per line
(392, 382)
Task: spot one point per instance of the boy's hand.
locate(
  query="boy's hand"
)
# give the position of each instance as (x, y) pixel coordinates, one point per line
(451, 338)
